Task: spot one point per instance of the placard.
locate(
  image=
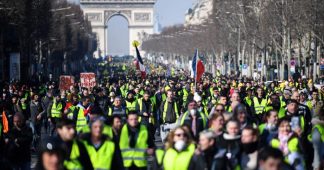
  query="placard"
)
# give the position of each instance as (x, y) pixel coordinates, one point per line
(88, 80)
(66, 82)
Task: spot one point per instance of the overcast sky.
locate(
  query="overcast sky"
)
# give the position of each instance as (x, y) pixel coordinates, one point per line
(169, 12)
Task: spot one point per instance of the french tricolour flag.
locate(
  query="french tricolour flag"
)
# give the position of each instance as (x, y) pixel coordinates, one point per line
(140, 62)
(198, 67)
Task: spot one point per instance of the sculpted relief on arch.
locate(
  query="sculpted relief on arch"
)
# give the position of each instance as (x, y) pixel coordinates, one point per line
(126, 13)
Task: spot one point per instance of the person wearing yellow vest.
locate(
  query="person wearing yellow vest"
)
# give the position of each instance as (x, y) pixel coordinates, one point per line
(96, 113)
(131, 102)
(177, 151)
(75, 154)
(185, 93)
(103, 152)
(259, 103)
(169, 114)
(248, 99)
(289, 144)
(214, 96)
(117, 109)
(145, 108)
(82, 111)
(70, 107)
(135, 143)
(298, 124)
(200, 106)
(269, 129)
(55, 111)
(317, 138)
(194, 119)
(275, 104)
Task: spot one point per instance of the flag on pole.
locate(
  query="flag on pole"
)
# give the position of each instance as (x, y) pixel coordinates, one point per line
(198, 67)
(139, 59)
(5, 122)
(194, 64)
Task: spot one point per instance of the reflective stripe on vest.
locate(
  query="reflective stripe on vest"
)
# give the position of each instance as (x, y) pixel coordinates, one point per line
(135, 155)
(130, 106)
(165, 109)
(56, 109)
(81, 120)
(140, 103)
(186, 115)
(174, 160)
(185, 95)
(109, 111)
(258, 107)
(73, 163)
(101, 159)
(23, 106)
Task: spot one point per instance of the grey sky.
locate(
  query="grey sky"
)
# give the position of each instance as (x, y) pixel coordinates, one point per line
(169, 12)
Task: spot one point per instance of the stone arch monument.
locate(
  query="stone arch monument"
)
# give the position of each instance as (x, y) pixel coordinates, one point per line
(138, 13)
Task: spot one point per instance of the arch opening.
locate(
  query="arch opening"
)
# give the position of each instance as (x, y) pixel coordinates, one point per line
(117, 35)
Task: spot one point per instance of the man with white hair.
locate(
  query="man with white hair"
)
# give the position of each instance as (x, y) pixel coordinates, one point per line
(200, 105)
(207, 156)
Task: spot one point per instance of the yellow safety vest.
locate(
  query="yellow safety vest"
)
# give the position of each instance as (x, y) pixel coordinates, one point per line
(258, 107)
(248, 101)
(130, 106)
(107, 130)
(174, 160)
(73, 163)
(185, 95)
(262, 127)
(71, 109)
(293, 145)
(101, 159)
(81, 120)
(165, 109)
(109, 111)
(159, 154)
(140, 103)
(56, 109)
(135, 155)
(186, 114)
(281, 113)
(309, 104)
(320, 129)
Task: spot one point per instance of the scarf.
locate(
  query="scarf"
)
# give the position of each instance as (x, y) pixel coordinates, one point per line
(284, 143)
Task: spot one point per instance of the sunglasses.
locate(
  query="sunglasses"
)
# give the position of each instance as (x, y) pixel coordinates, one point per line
(217, 110)
(180, 135)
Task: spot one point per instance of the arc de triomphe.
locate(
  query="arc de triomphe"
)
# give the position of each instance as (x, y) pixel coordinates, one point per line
(138, 13)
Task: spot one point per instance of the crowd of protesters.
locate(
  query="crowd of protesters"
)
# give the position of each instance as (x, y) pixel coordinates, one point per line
(217, 123)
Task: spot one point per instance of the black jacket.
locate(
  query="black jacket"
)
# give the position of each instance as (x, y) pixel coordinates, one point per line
(18, 147)
(84, 158)
(211, 159)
